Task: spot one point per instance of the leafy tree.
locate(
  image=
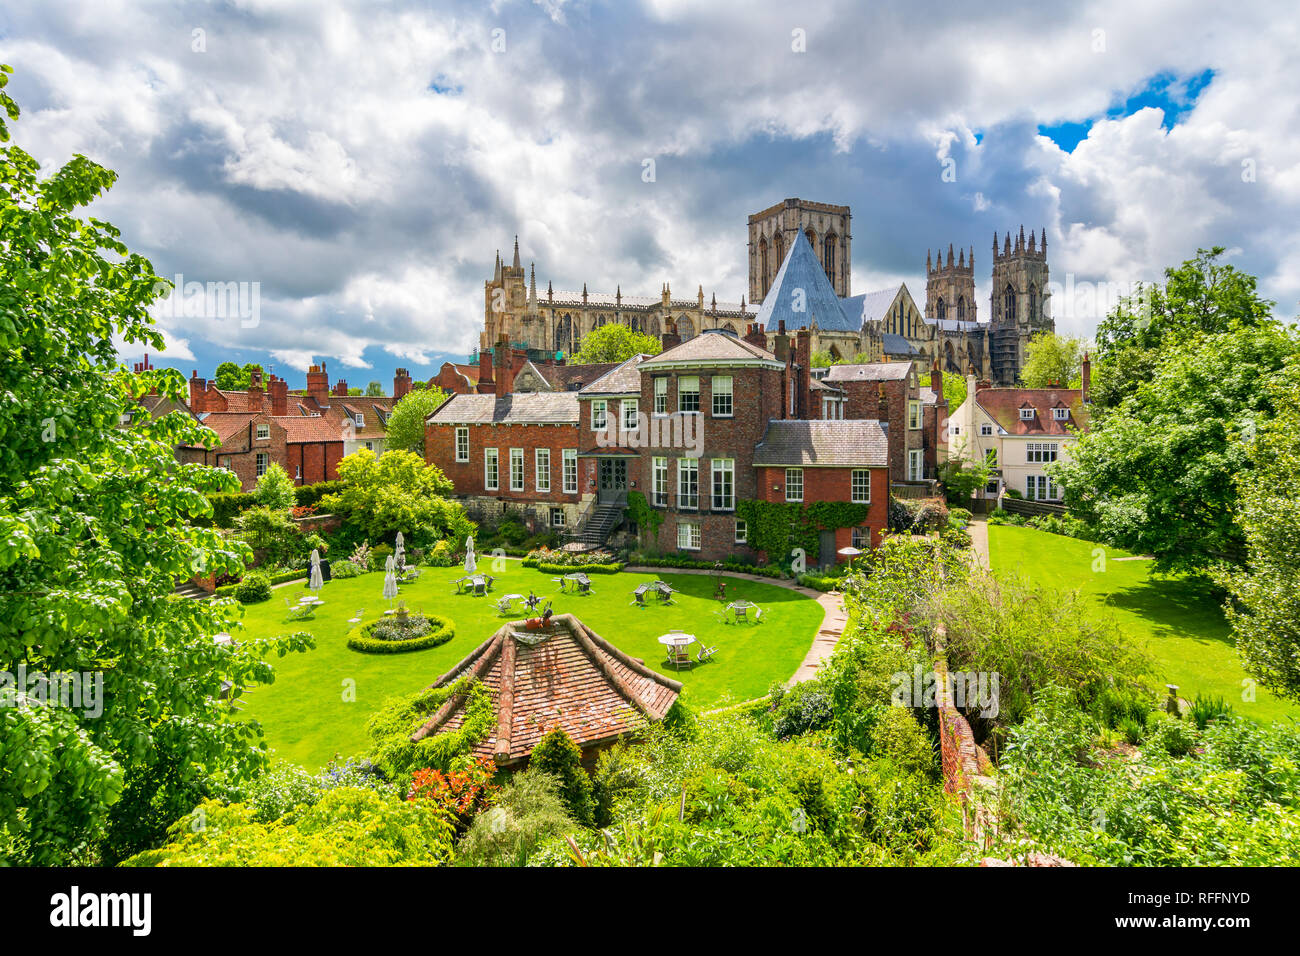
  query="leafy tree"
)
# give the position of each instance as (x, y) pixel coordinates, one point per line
(954, 390)
(354, 390)
(95, 531)
(615, 342)
(1052, 359)
(1264, 604)
(1203, 295)
(556, 754)
(374, 390)
(398, 492)
(1158, 474)
(822, 359)
(275, 489)
(236, 378)
(962, 478)
(406, 424)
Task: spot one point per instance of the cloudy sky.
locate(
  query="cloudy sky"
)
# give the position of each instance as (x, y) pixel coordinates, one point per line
(362, 162)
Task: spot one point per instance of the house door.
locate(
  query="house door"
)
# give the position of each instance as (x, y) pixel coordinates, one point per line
(826, 549)
(612, 487)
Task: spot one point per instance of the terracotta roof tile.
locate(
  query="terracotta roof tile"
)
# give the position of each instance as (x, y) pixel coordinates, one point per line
(566, 676)
(1003, 406)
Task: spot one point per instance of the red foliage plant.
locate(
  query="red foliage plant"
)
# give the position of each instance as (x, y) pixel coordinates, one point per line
(463, 792)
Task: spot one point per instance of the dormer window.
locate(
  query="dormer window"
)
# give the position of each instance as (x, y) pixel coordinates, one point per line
(360, 419)
(1060, 414)
(1026, 414)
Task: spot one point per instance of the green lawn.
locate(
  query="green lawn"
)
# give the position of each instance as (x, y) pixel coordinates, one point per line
(1178, 621)
(307, 719)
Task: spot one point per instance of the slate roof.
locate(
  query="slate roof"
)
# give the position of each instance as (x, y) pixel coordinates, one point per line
(571, 378)
(895, 344)
(869, 372)
(1003, 406)
(840, 443)
(802, 271)
(869, 306)
(517, 408)
(712, 346)
(623, 379)
(565, 676)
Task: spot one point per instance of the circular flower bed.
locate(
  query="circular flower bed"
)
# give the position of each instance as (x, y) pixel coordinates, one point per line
(389, 635)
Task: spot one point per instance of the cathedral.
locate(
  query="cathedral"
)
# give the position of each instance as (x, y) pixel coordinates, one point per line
(800, 251)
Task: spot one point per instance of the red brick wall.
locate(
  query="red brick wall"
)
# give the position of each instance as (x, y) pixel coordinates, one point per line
(319, 461)
(863, 401)
(467, 477)
(833, 484)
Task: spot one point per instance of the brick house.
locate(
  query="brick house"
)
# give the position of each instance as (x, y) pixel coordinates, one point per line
(518, 451)
(802, 461)
(889, 392)
(683, 428)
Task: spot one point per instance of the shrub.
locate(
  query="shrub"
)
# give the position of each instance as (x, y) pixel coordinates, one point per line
(548, 568)
(275, 490)
(271, 532)
(226, 507)
(344, 569)
(1171, 734)
(806, 706)
(463, 793)
(441, 555)
(1206, 709)
(309, 495)
(354, 773)
(898, 737)
(379, 556)
(388, 636)
(390, 729)
(524, 812)
(315, 542)
(1032, 637)
(281, 789)
(255, 587)
(558, 755)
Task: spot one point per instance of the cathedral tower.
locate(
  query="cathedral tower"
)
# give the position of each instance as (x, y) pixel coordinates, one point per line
(950, 287)
(1018, 307)
(771, 236)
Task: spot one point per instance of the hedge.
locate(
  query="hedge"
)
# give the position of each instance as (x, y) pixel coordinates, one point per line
(547, 568)
(735, 567)
(443, 629)
(226, 507)
(228, 589)
(311, 494)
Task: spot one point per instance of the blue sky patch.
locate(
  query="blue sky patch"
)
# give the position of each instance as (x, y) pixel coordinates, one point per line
(1175, 96)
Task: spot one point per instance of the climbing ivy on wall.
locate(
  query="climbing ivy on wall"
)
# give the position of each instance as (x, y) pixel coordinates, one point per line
(777, 527)
(640, 513)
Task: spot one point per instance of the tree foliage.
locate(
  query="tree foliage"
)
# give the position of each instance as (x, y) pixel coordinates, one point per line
(406, 424)
(1052, 359)
(234, 377)
(95, 531)
(1264, 605)
(1203, 295)
(615, 342)
(275, 489)
(398, 492)
(1158, 474)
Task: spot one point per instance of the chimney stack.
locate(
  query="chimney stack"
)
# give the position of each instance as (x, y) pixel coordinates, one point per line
(318, 384)
(503, 367)
(340, 388)
(278, 390)
(803, 376)
(754, 335)
(401, 383)
(670, 338)
(198, 393)
(936, 382)
(882, 403)
(1086, 384)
